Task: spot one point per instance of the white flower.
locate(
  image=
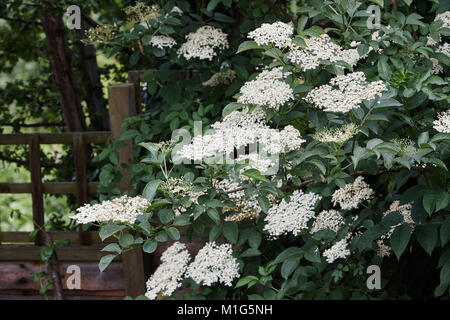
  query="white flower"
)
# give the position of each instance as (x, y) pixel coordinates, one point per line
(319, 49)
(214, 263)
(444, 48)
(405, 211)
(338, 251)
(220, 78)
(203, 43)
(442, 123)
(437, 68)
(331, 219)
(336, 135)
(445, 18)
(162, 42)
(238, 130)
(267, 90)
(169, 274)
(352, 194)
(291, 216)
(383, 250)
(123, 209)
(278, 33)
(345, 92)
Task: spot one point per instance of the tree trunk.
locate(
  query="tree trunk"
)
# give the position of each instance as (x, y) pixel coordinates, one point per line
(92, 85)
(63, 72)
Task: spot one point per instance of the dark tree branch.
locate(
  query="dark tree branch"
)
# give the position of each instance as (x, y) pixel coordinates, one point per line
(285, 13)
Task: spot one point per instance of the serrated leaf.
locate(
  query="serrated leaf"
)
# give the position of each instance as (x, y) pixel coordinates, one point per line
(427, 236)
(230, 231)
(150, 189)
(247, 45)
(109, 229)
(400, 239)
(173, 233)
(112, 247)
(105, 261)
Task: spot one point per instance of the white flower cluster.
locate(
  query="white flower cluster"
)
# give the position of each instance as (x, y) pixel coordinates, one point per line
(238, 130)
(352, 194)
(331, 219)
(345, 92)
(291, 216)
(444, 48)
(267, 90)
(203, 43)
(445, 18)
(442, 123)
(437, 67)
(220, 78)
(214, 263)
(336, 135)
(278, 33)
(176, 186)
(337, 251)
(123, 209)
(162, 42)
(320, 49)
(405, 210)
(169, 274)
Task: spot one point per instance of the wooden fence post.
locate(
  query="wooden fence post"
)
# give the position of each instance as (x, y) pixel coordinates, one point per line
(134, 77)
(36, 189)
(122, 104)
(80, 158)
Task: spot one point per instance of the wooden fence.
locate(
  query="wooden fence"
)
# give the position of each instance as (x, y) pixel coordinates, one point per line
(15, 247)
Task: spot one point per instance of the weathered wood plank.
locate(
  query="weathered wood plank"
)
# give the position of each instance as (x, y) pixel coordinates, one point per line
(122, 105)
(36, 189)
(94, 137)
(23, 237)
(80, 159)
(47, 187)
(17, 275)
(69, 253)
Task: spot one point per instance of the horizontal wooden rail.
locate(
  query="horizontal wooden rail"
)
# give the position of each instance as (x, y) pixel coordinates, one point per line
(48, 187)
(13, 237)
(94, 137)
(69, 253)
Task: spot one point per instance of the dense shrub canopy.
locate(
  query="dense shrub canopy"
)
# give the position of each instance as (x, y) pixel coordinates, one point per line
(327, 153)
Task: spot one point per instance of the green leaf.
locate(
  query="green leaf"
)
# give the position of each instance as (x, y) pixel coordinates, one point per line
(255, 174)
(46, 253)
(214, 215)
(414, 19)
(181, 220)
(319, 164)
(150, 246)
(429, 202)
(173, 233)
(230, 231)
(264, 203)
(229, 108)
(109, 229)
(250, 252)
(158, 204)
(126, 240)
(400, 238)
(289, 253)
(212, 5)
(246, 280)
(105, 261)
(254, 239)
(445, 273)
(112, 247)
(150, 189)
(215, 232)
(427, 236)
(289, 266)
(445, 231)
(166, 215)
(247, 45)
